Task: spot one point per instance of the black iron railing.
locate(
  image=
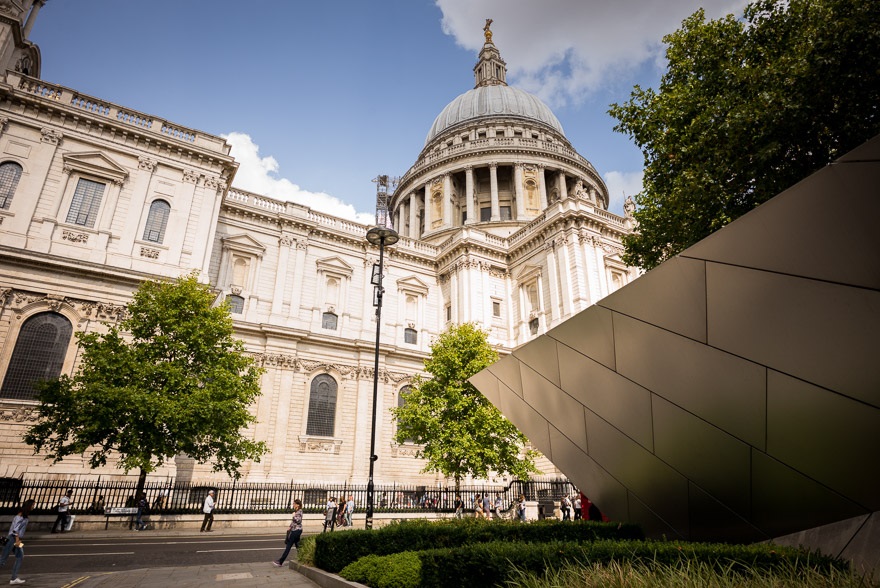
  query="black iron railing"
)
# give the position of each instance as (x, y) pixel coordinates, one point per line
(233, 497)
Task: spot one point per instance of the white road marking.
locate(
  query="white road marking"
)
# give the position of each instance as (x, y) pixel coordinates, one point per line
(222, 550)
(79, 554)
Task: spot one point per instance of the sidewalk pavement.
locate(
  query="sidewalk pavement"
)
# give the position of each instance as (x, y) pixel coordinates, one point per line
(249, 575)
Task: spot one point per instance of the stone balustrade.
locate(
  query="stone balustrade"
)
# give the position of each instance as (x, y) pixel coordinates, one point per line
(106, 110)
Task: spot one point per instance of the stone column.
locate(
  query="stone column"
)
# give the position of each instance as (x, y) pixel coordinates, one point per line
(542, 180)
(284, 243)
(493, 187)
(413, 216)
(563, 188)
(518, 190)
(32, 17)
(552, 271)
(447, 201)
(299, 263)
(469, 194)
(428, 219)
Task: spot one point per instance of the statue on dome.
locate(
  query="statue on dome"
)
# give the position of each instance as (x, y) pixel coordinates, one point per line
(486, 30)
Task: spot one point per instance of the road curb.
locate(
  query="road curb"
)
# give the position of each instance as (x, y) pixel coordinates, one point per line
(322, 578)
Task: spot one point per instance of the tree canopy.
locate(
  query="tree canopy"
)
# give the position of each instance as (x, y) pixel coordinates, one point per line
(460, 430)
(747, 108)
(169, 379)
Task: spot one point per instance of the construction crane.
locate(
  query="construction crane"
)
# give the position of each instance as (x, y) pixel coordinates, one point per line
(385, 186)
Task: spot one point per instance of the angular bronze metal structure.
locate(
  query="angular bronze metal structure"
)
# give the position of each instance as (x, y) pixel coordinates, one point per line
(732, 393)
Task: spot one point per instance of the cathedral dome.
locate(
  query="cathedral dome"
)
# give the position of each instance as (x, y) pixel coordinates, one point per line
(493, 100)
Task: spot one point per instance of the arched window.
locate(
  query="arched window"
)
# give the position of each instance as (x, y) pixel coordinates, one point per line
(236, 304)
(401, 400)
(322, 406)
(410, 336)
(157, 218)
(329, 321)
(38, 355)
(10, 172)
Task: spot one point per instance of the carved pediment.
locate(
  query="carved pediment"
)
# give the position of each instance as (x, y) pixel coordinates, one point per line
(97, 164)
(527, 272)
(334, 265)
(412, 284)
(243, 243)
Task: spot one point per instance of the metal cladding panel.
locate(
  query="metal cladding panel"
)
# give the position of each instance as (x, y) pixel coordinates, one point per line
(782, 235)
(652, 523)
(540, 355)
(713, 521)
(663, 489)
(671, 296)
(785, 501)
(824, 333)
(532, 424)
(725, 390)
(507, 370)
(487, 384)
(715, 461)
(566, 413)
(826, 436)
(862, 549)
(769, 428)
(590, 333)
(619, 401)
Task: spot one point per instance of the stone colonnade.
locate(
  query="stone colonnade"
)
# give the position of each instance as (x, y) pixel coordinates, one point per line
(485, 193)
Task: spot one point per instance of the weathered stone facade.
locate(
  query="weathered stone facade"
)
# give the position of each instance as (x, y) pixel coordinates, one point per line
(515, 235)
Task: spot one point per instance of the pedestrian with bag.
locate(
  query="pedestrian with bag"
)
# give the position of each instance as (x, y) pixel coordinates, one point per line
(521, 508)
(458, 505)
(208, 509)
(13, 540)
(294, 532)
(63, 510)
(143, 507)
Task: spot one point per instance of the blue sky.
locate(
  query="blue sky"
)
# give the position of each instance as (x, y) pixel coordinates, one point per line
(318, 98)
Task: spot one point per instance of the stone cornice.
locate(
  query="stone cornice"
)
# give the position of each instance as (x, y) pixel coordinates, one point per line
(346, 371)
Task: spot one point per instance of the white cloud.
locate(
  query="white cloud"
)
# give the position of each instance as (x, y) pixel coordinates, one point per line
(258, 174)
(620, 185)
(562, 50)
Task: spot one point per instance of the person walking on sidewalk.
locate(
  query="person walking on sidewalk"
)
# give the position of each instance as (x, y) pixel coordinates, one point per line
(349, 510)
(208, 509)
(143, 507)
(294, 532)
(13, 543)
(63, 510)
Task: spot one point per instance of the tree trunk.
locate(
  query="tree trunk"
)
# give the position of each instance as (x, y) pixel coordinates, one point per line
(142, 481)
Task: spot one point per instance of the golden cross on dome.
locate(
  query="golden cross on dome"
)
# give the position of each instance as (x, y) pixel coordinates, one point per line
(486, 30)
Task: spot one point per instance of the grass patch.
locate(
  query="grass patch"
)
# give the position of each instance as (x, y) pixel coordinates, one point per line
(686, 574)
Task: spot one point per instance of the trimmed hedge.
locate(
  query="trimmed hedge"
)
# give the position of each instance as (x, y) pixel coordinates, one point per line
(400, 570)
(334, 551)
(492, 564)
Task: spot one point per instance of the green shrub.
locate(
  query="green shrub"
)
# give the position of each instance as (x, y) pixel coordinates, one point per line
(334, 551)
(401, 570)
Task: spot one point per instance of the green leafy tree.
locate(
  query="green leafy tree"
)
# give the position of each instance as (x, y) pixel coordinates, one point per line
(747, 108)
(170, 379)
(461, 431)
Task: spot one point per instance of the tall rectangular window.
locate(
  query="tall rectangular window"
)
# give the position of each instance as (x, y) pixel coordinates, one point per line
(485, 214)
(86, 202)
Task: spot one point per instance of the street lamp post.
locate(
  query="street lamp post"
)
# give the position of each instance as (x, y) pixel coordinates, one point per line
(382, 237)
